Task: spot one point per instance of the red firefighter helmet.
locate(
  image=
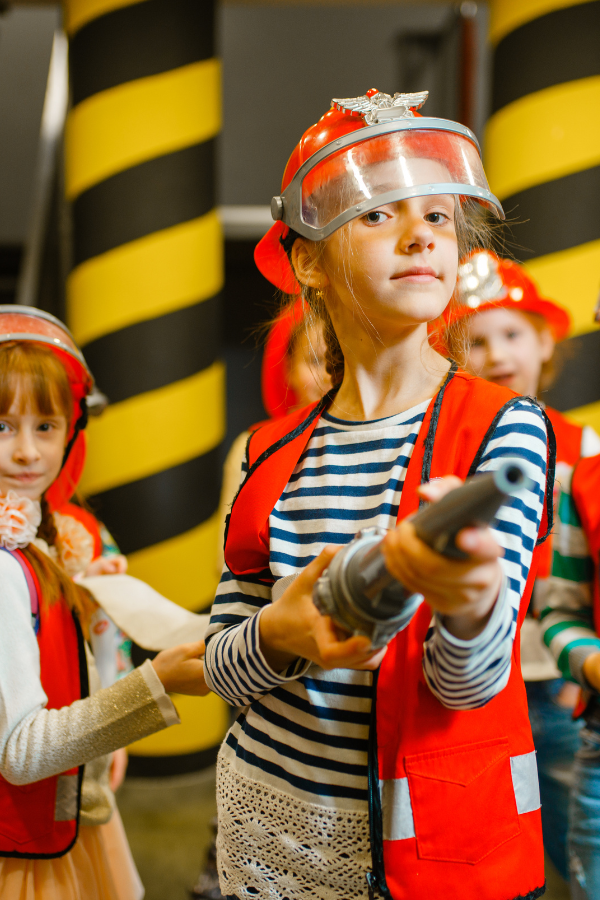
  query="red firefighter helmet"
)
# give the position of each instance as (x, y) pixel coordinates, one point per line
(25, 323)
(363, 153)
(486, 281)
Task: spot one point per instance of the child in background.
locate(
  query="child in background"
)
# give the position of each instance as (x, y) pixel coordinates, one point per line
(510, 333)
(571, 628)
(293, 374)
(60, 834)
(294, 367)
(335, 782)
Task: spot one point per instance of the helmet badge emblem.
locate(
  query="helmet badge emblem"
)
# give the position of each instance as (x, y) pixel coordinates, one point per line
(479, 281)
(378, 107)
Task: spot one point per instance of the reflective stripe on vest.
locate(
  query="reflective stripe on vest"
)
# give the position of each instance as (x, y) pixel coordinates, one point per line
(66, 805)
(398, 822)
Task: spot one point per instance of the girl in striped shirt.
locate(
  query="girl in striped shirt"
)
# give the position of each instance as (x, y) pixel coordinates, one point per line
(373, 248)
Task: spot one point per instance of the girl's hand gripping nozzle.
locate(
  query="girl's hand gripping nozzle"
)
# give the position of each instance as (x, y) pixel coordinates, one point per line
(357, 590)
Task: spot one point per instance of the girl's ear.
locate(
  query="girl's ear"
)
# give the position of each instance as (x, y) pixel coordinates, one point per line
(547, 344)
(307, 269)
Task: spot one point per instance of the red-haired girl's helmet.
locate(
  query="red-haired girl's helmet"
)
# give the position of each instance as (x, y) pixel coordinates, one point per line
(363, 153)
(486, 281)
(25, 323)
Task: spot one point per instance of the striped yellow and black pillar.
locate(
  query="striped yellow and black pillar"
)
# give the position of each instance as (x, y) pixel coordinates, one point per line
(543, 161)
(143, 303)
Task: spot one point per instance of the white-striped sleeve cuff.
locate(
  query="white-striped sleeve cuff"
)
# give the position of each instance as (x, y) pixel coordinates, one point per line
(501, 612)
(466, 674)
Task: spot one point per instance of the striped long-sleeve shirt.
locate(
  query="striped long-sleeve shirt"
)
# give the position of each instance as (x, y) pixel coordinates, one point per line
(567, 621)
(303, 733)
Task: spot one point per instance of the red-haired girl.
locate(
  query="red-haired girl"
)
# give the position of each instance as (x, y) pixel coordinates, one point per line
(409, 771)
(60, 835)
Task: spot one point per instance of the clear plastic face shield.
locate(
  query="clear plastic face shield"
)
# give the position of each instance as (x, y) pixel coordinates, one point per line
(386, 169)
(26, 323)
(21, 323)
(380, 164)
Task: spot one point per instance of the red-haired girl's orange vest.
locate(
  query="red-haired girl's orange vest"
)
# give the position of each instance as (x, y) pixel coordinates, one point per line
(585, 491)
(454, 797)
(41, 820)
(568, 452)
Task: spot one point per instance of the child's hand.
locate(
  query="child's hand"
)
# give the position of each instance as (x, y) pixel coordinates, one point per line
(591, 670)
(118, 767)
(181, 669)
(107, 565)
(463, 591)
(292, 627)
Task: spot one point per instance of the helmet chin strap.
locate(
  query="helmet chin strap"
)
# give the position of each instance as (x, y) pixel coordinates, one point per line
(80, 424)
(288, 241)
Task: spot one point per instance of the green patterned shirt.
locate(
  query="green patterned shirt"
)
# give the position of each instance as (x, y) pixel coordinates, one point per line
(567, 621)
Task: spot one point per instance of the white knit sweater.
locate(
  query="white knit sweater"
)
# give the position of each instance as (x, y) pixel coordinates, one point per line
(36, 742)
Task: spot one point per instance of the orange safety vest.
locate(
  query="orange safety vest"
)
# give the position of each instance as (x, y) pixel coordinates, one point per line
(454, 797)
(585, 491)
(568, 437)
(568, 453)
(41, 820)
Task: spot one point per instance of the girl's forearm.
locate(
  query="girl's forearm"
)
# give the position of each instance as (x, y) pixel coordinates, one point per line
(467, 672)
(274, 640)
(468, 625)
(52, 741)
(236, 668)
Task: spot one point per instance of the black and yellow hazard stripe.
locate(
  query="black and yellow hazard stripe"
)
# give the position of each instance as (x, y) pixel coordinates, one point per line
(543, 161)
(143, 303)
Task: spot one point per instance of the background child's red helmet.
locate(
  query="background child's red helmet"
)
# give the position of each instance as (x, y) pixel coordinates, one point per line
(365, 152)
(25, 323)
(486, 281)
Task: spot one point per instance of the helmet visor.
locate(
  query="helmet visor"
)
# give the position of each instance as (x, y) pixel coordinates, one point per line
(19, 323)
(391, 167)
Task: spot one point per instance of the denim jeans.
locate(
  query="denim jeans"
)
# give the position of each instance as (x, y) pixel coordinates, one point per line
(556, 739)
(584, 819)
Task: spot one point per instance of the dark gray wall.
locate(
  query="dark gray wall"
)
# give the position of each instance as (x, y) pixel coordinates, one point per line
(283, 64)
(25, 47)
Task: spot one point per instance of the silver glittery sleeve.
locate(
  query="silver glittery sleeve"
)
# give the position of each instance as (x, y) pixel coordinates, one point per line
(50, 741)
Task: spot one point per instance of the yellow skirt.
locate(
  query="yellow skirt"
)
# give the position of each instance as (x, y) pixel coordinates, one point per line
(99, 867)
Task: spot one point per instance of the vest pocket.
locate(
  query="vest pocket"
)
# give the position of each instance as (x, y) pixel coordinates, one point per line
(26, 811)
(463, 801)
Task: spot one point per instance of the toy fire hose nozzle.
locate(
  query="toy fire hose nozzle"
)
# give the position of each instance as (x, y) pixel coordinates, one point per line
(357, 590)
